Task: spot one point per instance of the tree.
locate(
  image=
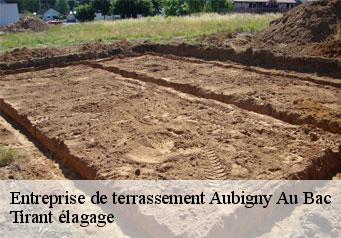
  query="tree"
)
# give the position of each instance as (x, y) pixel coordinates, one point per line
(131, 8)
(220, 6)
(229, 5)
(61, 6)
(46, 4)
(172, 7)
(102, 6)
(71, 4)
(195, 6)
(125, 8)
(31, 5)
(157, 6)
(145, 7)
(85, 12)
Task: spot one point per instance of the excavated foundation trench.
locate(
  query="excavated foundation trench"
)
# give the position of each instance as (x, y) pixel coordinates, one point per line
(323, 166)
(320, 166)
(206, 79)
(57, 148)
(244, 103)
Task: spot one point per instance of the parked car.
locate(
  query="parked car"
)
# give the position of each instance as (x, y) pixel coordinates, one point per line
(55, 22)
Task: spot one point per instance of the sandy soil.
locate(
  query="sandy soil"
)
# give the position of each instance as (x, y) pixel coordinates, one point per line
(30, 162)
(313, 103)
(26, 54)
(310, 29)
(126, 128)
(240, 41)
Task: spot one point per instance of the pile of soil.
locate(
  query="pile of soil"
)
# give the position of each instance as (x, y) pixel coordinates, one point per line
(27, 23)
(227, 39)
(23, 54)
(330, 49)
(98, 46)
(305, 29)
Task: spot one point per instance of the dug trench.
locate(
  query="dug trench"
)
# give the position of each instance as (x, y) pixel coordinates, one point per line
(22, 159)
(283, 97)
(123, 119)
(114, 123)
(251, 57)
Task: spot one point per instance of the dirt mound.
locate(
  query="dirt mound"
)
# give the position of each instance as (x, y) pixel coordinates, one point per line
(227, 39)
(98, 46)
(23, 54)
(330, 49)
(27, 54)
(312, 23)
(27, 23)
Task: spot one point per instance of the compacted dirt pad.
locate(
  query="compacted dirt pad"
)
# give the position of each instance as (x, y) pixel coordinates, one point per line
(294, 98)
(152, 117)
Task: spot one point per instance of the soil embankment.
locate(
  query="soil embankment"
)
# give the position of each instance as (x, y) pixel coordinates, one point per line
(27, 23)
(313, 28)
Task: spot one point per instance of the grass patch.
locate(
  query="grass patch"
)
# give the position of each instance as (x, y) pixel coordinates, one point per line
(338, 32)
(155, 29)
(7, 155)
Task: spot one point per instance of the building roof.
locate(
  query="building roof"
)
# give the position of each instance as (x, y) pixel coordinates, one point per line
(51, 10)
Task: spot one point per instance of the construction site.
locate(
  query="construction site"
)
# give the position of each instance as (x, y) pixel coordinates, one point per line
(161, 111)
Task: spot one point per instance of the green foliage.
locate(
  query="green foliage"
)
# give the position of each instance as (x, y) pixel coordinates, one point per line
(123, 8)
(46, 4)
(7, 155)
(182, 7)
(71, 4)
(85, 12)
(172, 7)
(102, 6)
(131, 8)
(31, 5)
(145, 7)
(157, 6)
(195, 6)
(61, 6)
(229, 4)
(219, 6)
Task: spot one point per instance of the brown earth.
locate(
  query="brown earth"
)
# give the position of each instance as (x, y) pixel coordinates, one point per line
(304, 30)
(311, 102)
(153, 117)
(29, 162)
(311, 29)
(227, 39)
(25, 54)
(27, 23)
(243, 41)
(330, 49)
(310, 22)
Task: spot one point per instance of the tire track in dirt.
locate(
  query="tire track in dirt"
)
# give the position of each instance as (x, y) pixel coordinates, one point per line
(304, 77)
(215, 170)
(248, 104)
